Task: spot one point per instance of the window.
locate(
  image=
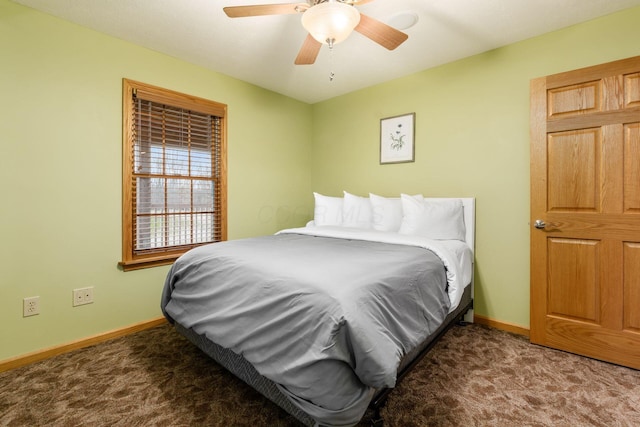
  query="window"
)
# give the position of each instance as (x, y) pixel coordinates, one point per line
(174, 174)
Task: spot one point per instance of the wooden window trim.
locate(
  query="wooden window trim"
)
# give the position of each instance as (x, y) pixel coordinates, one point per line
(130, 259)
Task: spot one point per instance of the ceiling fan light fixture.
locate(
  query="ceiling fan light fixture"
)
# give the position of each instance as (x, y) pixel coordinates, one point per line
(330, 22)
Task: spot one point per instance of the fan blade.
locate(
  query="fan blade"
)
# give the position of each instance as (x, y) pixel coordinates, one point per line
(264, 9)
(309, 51)
(380, 32)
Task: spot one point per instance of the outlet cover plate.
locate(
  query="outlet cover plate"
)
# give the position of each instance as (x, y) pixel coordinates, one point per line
(30, 306)
(82, 296)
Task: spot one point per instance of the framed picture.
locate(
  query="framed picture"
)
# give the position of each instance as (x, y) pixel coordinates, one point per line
(396, 139)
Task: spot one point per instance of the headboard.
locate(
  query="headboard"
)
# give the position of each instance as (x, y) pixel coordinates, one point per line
(469, 205)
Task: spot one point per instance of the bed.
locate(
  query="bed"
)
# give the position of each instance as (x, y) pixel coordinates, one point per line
(325, 319)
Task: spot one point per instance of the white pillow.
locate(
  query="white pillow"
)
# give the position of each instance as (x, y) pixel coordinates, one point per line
(356, 211)
(439, 219)
(417, 197)
(328, 210)
(387, 213)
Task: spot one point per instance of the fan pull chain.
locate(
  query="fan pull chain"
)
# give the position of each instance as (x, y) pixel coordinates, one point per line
(331, 74)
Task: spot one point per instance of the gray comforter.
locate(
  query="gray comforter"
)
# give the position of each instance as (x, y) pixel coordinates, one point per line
(327, 319)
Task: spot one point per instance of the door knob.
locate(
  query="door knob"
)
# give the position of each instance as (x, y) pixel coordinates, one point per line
(540, 224)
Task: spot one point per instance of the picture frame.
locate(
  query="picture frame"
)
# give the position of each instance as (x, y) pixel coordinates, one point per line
(397, 135)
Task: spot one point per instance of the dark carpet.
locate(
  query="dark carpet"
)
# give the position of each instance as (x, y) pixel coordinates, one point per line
(475, 376)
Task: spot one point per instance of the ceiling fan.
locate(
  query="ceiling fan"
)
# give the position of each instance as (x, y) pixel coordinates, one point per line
(328, 22)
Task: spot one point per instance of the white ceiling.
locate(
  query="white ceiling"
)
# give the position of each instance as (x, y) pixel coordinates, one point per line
(261, 50)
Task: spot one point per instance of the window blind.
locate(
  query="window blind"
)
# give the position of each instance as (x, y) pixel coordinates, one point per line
(174, 177)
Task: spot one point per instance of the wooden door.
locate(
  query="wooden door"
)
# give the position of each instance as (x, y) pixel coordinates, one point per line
(585, 192)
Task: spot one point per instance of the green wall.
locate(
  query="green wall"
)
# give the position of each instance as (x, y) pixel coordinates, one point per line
(472, 140)
(60, 173)
(60, 161)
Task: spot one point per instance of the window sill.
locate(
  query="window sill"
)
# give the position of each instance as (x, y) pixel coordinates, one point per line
(139, 264)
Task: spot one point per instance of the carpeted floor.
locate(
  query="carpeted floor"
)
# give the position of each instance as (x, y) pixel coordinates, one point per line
(475, 376)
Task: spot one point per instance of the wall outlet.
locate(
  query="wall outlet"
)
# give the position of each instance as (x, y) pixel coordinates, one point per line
(82, 296)
(30, 306)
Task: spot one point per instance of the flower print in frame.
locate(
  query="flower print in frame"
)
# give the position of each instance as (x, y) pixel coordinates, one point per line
(396, 139)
